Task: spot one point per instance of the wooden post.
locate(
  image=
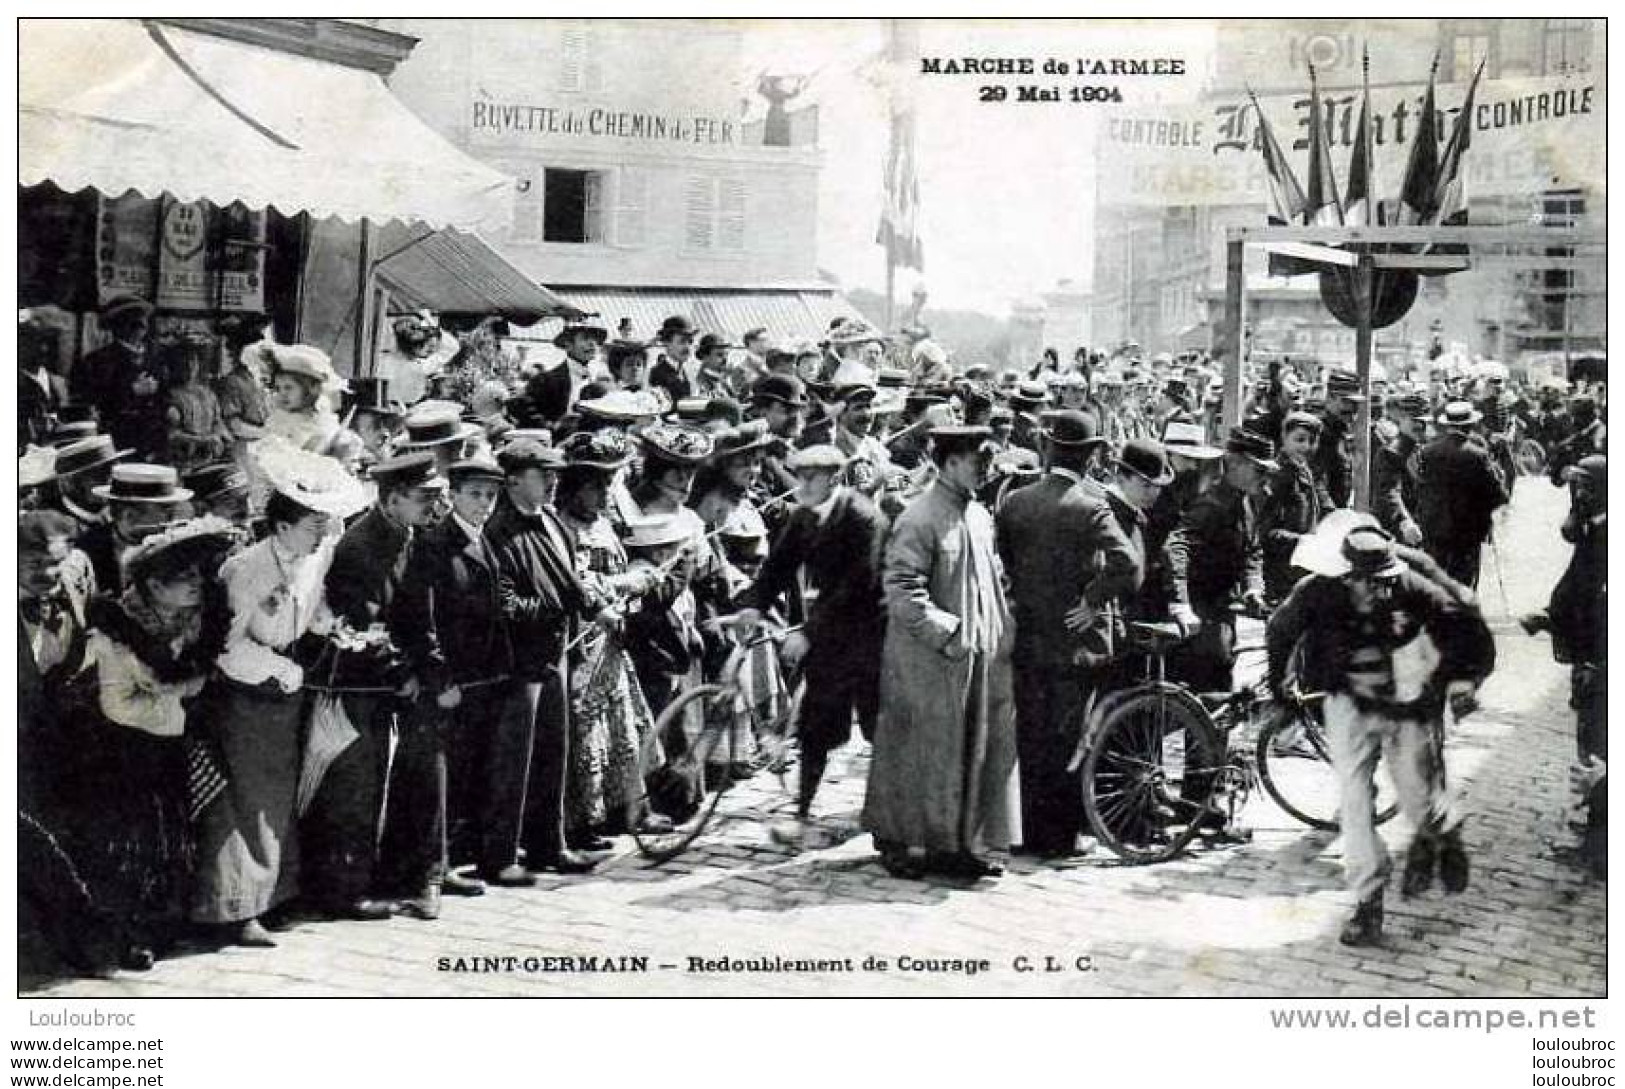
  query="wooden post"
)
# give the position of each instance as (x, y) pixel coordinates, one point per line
(891, 281)
(1235, 321)
(361, 367)
(1363, 283)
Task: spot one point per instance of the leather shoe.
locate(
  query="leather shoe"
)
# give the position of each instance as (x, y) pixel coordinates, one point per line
(1453, 866)
(1365, 928)
(567, 862)
(592, 844)
(138, 958)
(456, 884)
(254, 936)
(365, 909)
(425, 905)
(513, 876)
(1418, 869)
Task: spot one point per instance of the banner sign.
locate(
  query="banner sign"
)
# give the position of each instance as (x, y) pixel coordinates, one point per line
(208, 259)
(1528, 136)
(497, 120)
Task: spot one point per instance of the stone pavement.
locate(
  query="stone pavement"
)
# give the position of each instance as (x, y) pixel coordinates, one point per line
(1259, 919)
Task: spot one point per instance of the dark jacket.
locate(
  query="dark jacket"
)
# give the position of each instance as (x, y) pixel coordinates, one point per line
(362, 585)
(1292, 506)
(1213, 556)
(448, 616)
(1579, 604)
(669, 376)
(1061, 543)
(1457, 490)
(1319, 614)
(542, 599)
(843, 557)
(1334, 461)
(1393, 484)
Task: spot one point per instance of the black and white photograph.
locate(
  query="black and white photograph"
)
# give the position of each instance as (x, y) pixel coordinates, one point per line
(710, 507)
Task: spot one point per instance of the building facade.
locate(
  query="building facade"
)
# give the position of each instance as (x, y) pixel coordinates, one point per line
(1159, 267)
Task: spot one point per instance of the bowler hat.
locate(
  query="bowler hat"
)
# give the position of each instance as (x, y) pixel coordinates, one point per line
(1146, 458)
(1071, 429)
(786, 389)
(1030, 395)
(710, 342)
(674, 326)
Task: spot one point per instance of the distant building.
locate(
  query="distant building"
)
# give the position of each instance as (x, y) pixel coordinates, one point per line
(642, 192)
(1159, 236)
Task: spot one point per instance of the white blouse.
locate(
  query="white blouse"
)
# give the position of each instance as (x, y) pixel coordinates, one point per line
(275, 598)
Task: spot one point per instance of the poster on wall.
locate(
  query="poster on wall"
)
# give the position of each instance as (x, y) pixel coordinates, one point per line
(204, 258)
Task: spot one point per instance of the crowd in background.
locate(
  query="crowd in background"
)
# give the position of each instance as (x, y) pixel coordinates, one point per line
(294, 643)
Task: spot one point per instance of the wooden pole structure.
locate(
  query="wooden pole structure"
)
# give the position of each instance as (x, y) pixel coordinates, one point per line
(1363, 282)
(891, 281)
(1235, 324)
(362, 366)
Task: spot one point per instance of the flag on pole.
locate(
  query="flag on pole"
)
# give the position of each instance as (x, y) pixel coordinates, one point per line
(1287, 201)
(899, 229)
(1451, 202)
(1359, 209)
(1322, 208)
(1419, 193)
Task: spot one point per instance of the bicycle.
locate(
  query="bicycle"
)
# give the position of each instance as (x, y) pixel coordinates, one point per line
(715, 745)
(1158, 764)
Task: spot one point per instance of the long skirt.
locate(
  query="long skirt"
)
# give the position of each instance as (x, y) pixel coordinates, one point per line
(610, 722)
(248, 852)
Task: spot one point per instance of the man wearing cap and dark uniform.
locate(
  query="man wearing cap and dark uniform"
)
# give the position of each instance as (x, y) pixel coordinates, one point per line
(1388, 644)
(939, 791)
(834, 544)
(1215, 563)
(341, 825)
(1393, 468)
(1457, 491)
(542, 603)
(448, 624)
(672, 370)
(1061, 546)
(1334, 457)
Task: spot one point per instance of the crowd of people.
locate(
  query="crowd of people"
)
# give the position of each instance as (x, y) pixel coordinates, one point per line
(293, 644)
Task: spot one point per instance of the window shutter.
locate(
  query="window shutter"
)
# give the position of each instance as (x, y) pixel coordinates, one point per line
(572, 57)
(731, 215)
(631, 199)
(699, 204)
(592, 227)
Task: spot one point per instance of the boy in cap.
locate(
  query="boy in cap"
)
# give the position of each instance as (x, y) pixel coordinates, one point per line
(1388, 644)
(1293, 502)
(373, 681)
(449, 626)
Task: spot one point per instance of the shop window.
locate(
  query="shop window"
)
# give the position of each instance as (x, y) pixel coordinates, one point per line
(1466, 45)
(1566, 46)
(572, 206)
(714, 214)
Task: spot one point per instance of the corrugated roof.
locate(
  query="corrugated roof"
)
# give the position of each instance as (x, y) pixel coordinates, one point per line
(453, 272)
(786, 314)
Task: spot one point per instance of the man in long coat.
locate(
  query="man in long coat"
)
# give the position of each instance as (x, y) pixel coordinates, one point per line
(940, 787)
(1458, 490)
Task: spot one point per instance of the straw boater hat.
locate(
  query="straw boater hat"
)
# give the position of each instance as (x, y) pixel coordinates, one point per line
(1459, 414)
(1188, 440)
(820, 457)
(133, 482)
(436, 426)
(314, 481)
(602, 450)
(77, 457)
(68, 432)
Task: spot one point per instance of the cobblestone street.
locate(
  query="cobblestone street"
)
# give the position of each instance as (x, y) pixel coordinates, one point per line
(1255, 919)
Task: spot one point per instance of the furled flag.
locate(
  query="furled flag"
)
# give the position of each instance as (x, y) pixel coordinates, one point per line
(1359, 209)
(1419, 193)
(899, 229)
(1451, 203)
(1322, 208)
(1286, 195)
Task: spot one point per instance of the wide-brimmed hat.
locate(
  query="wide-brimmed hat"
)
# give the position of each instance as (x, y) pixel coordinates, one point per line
(1459, 414)
(413, 470)
(306, 361)
(314, 481)
(203, 541)
(676, 325)
(602, 450)
(1070, 429)
(69, 432)
(1188, 440)
(97, 450)
(623, 406)
(786, 389)
(585, 328)
(217, 481)
(134, 482)
(1146, 458)
(1252, 446)
(1370, 551)
(657, 531)
(36, 466)
(847, 332)
(1030, 396)
(435, 427)
(676, 443)
(746, 437)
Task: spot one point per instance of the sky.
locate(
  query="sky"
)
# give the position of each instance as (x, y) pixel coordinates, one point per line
(1006, 189)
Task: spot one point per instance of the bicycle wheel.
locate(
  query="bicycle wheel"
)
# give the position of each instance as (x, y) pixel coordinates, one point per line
(1152, 768)
(690, 769)
(1295, 765)
(1531, 458)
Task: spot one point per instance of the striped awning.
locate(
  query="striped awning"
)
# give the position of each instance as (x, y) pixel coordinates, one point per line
(456, 273)
(786, 313)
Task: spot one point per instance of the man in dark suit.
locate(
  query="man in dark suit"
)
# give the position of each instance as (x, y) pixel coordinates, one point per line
(119, 379)
(672, 372)
(1458, 489)
(542, 604)
(1061, 546)
(835, 539)
(340, 832)
(1393, 468)
(448, 623)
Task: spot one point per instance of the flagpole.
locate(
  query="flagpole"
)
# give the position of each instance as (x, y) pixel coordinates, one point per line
(891, 283)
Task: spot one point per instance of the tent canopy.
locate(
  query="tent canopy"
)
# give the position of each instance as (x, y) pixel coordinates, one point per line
(122, 105)
(453, 272)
